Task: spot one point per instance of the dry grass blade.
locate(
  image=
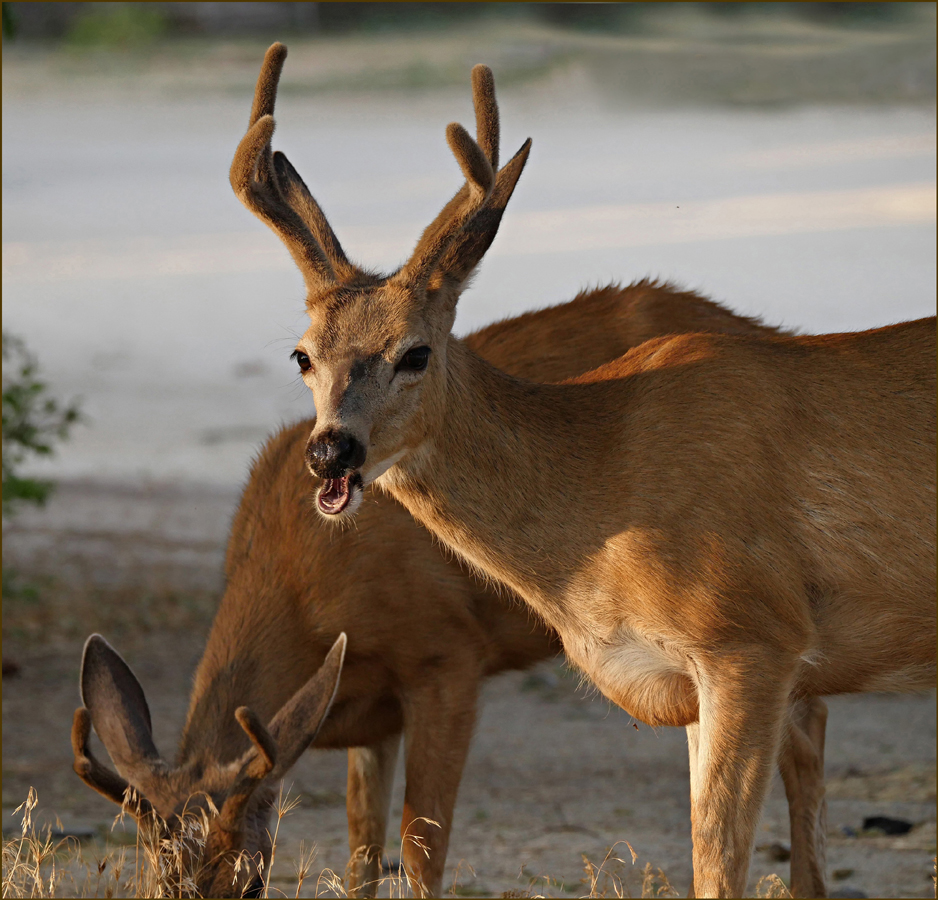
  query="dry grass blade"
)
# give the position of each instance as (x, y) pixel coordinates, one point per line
(459, 867)
(771, 886)
(285, 805)
(37, 865)
(330, 881)
(656, 884)
(303, 864)
(600, 880)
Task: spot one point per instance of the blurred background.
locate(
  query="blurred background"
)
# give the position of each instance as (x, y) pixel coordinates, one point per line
(779, 158)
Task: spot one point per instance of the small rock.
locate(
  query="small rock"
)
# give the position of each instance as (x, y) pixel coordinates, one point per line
(540, 680)
(841, 874)
(778, 852)
(847, 831)
(76, 830)
(887, 825)
(10, 667)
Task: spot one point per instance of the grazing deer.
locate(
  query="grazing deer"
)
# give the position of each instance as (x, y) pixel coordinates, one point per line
(422, 633)
(717, 526)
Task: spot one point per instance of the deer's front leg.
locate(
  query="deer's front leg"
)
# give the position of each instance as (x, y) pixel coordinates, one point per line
(368, 799)
(439, 717)
(693, 744)
(743, 704)
(801, 762)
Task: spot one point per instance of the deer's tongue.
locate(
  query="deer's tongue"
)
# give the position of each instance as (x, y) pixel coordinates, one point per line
(334, 495)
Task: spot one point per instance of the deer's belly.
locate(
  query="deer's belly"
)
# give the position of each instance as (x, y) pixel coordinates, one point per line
(644, 676)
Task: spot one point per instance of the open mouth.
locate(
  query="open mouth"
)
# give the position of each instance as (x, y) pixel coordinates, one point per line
(336, 494)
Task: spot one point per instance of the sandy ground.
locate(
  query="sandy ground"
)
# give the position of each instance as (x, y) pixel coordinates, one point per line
(554, 773)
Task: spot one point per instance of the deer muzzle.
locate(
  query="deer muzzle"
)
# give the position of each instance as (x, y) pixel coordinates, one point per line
(336, 458)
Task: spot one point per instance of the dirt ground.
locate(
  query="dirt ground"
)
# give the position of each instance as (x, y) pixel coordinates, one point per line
(555, 774)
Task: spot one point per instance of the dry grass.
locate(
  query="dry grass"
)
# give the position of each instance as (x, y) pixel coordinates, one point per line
(161, 863)
(35, 864)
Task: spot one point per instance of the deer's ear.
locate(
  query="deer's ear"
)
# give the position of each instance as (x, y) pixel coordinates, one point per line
(119, 712)
(295, 727)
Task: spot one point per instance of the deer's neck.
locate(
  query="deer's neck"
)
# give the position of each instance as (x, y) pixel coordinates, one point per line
(255, 656)
(494, 479)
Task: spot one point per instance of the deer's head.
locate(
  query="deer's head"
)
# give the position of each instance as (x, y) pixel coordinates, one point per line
(374, 355)
(230, 856)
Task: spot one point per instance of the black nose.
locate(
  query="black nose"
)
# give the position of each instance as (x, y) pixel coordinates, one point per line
(334, 455)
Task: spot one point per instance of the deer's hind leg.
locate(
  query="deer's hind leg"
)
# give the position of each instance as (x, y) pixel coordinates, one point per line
(368, 801)
(801, 763)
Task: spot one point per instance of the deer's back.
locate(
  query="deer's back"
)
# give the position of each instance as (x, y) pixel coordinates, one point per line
(601, 325)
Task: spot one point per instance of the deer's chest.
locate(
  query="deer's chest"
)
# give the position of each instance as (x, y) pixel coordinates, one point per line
(644, 675)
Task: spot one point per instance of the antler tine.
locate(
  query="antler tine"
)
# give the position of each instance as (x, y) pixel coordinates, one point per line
(298, 196)
(254, 182)
(265, 99)
(93, 773)
(487, 137)
(265, 91)
(265, 745)
(439, 236)
(486, 109)
(257, 764)
(469, 246)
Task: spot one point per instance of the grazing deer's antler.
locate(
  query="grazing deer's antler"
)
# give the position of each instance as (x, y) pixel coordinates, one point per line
(256, 765)
(94, 773)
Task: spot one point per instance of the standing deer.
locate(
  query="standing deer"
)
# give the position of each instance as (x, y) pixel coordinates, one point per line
(290, 591)
(717, 526)
(423, 635)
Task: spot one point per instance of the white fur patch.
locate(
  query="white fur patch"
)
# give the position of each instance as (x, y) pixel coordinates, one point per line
(631, 669)
(375, 472)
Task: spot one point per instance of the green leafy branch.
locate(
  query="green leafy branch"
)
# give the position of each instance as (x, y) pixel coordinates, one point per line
(32, 423)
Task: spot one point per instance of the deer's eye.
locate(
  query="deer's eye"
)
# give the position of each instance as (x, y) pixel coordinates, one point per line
(302, 360)
(414, 360)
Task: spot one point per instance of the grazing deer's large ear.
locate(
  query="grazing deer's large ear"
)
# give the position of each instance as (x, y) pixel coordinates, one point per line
(298, 722)
(118, 709)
